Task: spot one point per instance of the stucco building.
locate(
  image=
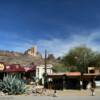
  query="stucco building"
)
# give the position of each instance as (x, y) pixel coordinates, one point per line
(40, 70)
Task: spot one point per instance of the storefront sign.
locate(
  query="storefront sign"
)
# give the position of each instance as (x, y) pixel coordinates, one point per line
(2, 66)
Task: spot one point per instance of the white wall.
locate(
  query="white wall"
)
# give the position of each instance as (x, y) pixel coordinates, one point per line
(40, 70)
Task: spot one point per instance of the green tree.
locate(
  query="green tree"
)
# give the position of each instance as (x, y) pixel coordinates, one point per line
(81, 56)
(51, 57)
(60, 68)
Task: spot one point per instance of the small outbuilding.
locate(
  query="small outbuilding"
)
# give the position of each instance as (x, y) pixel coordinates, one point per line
(68, 80)
(72, 80)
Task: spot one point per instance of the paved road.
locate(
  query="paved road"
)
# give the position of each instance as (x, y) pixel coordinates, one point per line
(50, 98)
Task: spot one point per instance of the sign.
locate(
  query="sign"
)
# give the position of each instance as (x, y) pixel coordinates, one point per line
(2, 66)
(17, 66)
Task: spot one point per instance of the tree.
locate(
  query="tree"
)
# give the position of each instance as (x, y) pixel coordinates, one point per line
(59, 68)
(51, 57)
(81, 57)
(96, 61)
(32, 63)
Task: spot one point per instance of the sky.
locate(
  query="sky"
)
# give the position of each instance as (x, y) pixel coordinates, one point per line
(55, 25)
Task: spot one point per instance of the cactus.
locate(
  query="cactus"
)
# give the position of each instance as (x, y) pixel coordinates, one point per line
(11, 84)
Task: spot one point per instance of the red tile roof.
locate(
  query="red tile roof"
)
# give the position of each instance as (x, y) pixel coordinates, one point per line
(72, 73)
(67, 74)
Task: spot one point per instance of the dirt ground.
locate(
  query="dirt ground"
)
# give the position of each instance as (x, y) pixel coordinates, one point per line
(78, 92)
(70, 92)
(73, 92)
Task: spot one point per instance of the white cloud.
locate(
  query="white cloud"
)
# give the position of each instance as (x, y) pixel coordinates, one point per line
(59, 46)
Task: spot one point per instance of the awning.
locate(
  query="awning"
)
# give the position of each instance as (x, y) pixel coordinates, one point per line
(16, 68)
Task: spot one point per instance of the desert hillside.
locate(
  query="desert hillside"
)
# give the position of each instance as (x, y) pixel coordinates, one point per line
(26, 58)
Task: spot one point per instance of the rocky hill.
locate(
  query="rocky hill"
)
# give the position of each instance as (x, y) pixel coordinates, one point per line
(26, 58)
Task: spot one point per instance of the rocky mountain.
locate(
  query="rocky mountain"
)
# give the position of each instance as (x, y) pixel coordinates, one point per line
(26, 58)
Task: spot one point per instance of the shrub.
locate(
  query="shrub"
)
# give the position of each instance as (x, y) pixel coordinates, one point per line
(11, 84)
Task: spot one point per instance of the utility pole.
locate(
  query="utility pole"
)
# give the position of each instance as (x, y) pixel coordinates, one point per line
(45, 61)
(45, 73)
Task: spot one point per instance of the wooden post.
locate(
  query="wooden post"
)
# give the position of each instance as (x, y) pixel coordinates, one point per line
(45, 74)
(64, 82)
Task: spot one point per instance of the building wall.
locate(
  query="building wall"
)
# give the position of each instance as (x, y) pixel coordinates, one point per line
(91, 69)
(40, 70)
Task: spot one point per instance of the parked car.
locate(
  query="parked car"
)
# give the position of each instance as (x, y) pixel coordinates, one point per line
(97, 83)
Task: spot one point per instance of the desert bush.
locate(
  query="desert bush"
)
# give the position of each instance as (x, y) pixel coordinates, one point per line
(11, 84)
